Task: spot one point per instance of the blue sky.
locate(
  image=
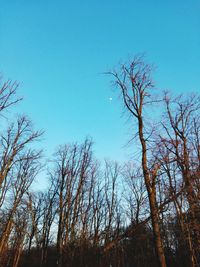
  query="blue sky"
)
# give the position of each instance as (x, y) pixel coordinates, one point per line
(58, 51)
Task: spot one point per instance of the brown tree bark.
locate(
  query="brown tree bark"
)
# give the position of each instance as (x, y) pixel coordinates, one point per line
(135, 84)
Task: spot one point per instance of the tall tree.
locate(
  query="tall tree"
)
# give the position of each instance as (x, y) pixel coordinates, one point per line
(135, 84)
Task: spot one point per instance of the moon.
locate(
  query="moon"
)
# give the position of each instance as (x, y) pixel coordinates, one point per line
(110, 98)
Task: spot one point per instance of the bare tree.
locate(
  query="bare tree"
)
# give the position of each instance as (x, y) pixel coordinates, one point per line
(18, 136)
(8, 94)
(26, 170)
(134, 192)
(135, 83)
(181, 143)
(71, 174)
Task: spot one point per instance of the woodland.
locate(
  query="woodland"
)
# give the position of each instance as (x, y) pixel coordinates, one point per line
(143, 212)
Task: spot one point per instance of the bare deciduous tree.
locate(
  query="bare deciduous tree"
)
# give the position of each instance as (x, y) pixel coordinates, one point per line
(135, 84)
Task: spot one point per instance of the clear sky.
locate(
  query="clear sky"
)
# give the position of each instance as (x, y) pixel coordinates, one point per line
(59, 49)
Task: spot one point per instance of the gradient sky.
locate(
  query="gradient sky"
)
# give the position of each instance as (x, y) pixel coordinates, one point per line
(58, 51)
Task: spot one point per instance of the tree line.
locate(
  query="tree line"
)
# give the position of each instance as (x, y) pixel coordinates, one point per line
(144, 212)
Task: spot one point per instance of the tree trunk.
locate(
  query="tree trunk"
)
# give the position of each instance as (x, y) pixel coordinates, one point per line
(151, 189)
